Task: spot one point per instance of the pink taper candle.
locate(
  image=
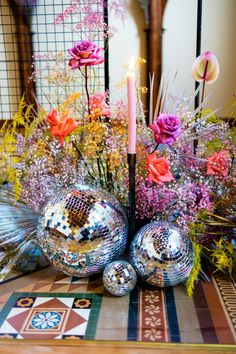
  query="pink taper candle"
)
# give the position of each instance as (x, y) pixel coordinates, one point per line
(131, 108)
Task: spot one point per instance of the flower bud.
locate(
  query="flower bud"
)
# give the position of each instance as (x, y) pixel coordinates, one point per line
(206, 68)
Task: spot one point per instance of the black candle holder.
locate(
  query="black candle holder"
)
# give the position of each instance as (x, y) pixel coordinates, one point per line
(198, 52)
(132, 167)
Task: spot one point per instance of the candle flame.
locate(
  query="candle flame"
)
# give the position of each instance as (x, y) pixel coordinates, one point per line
(132, 63)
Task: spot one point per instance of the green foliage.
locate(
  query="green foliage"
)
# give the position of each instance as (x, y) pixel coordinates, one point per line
(214, 145)
(212, 119)
(195, 270)
(223, 256)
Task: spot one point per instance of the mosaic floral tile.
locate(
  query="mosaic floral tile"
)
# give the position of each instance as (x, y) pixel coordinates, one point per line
(50, 316)
(24, 302)
(152, 325)
(82, 303)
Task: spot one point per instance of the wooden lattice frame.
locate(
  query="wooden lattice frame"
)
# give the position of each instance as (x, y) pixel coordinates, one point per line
(25, 48)
(154, 10)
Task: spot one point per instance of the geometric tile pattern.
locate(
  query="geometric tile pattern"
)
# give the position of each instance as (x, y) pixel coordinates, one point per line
(50, 316)
(51, 305)
(62, 283)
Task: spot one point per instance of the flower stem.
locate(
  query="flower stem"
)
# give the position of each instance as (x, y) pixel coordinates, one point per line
(155, 149)
(99, 171)
(81, 72)
(203, 93)
(86, 88)
(195, 142)
(85, 163)
(203, 86)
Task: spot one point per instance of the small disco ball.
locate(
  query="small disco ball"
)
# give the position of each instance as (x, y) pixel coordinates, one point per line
(162, 254)
(119, 278)
(82, 229)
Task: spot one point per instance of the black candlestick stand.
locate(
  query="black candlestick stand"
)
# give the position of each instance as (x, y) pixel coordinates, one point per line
(203, 274)
(198, 52)
(198, 44)
(132, 165)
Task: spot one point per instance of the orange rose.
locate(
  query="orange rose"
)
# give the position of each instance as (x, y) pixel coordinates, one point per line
(60, 124)
(158, 168)
(218, 164)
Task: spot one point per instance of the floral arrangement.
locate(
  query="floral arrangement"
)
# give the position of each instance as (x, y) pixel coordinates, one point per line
(185, 158)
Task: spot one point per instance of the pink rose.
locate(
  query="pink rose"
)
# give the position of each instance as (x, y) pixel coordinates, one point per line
(98, 105)
(166, 128)
(158, 169)
(85, 53)
(218, 164)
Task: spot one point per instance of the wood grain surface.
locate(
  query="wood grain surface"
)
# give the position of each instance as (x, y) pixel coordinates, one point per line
(11, 346)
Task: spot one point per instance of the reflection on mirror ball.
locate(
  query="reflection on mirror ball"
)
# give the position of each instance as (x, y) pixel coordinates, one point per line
(119, 278)
(82, 229)
(162, 254)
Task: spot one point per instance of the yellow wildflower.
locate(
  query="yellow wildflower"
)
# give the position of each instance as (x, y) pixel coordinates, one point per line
(143, 89)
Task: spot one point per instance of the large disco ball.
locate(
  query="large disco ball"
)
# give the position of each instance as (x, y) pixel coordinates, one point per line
(119, 278)
(82, 229)
(162, 254)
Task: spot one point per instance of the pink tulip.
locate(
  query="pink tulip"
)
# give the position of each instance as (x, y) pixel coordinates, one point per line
(206, 68)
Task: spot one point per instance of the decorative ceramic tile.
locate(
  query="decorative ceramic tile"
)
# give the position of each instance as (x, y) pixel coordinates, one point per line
(50, 316)
(152, 326)
(48, 304)
(61, 283)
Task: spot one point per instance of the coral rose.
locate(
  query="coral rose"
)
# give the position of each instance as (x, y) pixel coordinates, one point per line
(218, 163)
(158, 169)
(61, 124)
(85, 53)
(166, 128)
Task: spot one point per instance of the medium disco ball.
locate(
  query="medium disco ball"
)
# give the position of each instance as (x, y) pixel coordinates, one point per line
(119, 278)
(82, 229)
(162, 254)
